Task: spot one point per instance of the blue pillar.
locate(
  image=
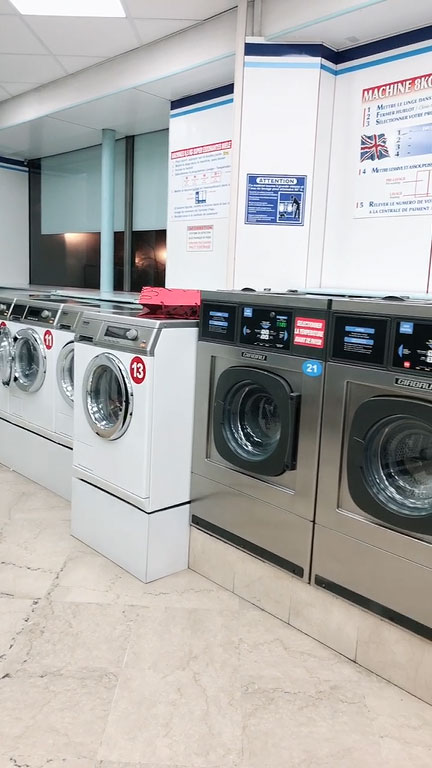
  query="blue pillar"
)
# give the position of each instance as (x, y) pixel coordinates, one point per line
(107, 211)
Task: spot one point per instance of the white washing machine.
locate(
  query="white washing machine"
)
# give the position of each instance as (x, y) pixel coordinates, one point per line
(31, 391)
(6, 352)
(64, 355)
(134, 401)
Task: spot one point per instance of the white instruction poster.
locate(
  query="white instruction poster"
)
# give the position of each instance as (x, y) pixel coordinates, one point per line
(394, 176)
(200, 182)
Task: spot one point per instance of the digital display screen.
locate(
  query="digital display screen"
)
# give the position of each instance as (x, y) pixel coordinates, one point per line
(18, 311)
(360, 339)
(218, 322)
(265, 327)
(413, 345)
(114, 332)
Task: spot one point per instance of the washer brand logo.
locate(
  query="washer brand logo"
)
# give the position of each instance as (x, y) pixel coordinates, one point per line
(401, 381)
(254, 356)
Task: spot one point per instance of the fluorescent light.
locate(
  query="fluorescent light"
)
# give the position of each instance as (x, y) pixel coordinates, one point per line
(101, 8)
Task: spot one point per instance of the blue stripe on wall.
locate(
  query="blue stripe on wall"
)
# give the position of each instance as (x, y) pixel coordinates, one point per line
(197, 98)
(385, 60)
(203, 108)
(294, 49)
(387, 44)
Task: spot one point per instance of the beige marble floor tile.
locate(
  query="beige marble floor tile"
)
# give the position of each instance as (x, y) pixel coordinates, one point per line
(53, 716)
(284, 728)
(212, 558)
(274, 655)
(23, 582)
(187, 692)
(10, 498)
(41, 505)
(13, 617)
(35, 544)
(72, 639)
(89, 578)
(397, 716)
(18, 760)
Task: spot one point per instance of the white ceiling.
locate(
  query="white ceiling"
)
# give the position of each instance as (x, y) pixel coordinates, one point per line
(37, 49)
(382, 18)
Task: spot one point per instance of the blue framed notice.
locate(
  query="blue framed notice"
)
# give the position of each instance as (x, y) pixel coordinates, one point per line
(275, 200)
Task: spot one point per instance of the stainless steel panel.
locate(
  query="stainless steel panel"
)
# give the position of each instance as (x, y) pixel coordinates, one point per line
(374, 306)
(393, 581)
(289, 300)
(264, 525)
(346, 388)
(294, 490)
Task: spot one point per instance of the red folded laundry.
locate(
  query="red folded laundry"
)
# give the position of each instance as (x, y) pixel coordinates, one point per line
(170, 302)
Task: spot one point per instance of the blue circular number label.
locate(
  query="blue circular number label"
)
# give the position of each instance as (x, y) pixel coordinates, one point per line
(312, 368)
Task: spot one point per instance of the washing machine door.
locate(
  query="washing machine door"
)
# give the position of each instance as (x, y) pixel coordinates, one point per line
(29, 361)
(65, 372)
(389, 462)
(255, 421)
(108, 396)
(6, 355)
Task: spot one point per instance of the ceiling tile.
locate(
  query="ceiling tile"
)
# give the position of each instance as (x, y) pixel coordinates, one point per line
(74, 63)
(196, 80)
(128, 113)
(15, 37)
(84, 37)
(45, 137)
(26, 69)
(153, 29)
(14, 89)
(173, 9)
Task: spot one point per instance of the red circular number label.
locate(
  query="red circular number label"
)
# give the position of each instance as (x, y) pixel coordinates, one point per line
(48, 339)
(3, 324)
(137, 370)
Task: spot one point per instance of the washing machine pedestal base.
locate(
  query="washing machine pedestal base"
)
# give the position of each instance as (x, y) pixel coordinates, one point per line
(42, 460)
(147, 545)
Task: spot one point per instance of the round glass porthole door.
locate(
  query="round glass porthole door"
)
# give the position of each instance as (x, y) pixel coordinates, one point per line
(251, 421)
(6, 355)
(255, 421)
(389, 462)
(29, 361)
(398, 465)
(65, 373)
(108, 396)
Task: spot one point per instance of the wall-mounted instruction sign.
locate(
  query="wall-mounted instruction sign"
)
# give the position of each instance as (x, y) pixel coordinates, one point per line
(395, 149)
(200, 238)
(201, 182)
(275, 199)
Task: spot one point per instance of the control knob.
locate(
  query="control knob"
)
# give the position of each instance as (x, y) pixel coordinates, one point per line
(45, 314)
(3, 307)
(132, 334)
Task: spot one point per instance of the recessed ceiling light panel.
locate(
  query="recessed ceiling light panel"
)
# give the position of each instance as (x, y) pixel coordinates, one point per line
(100, 8)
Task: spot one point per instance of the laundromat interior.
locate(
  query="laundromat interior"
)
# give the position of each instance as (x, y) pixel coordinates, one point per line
(215, 384)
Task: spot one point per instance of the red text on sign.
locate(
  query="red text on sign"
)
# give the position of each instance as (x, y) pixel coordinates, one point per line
(309, 332)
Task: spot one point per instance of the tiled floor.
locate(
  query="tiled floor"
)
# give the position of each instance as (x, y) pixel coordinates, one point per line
(97, 669)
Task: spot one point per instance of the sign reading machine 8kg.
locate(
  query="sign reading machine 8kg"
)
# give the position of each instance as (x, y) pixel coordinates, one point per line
(275, 199)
